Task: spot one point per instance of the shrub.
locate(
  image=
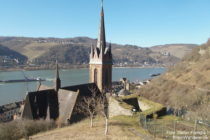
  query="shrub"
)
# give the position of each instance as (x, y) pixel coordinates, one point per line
(23, 128)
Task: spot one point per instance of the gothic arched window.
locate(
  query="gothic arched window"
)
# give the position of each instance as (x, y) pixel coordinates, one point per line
(95, 76)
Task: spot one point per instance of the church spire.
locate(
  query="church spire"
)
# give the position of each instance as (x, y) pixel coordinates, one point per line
(101, 43)
(102, 3)
(57, 71)
(57, 78)
(101, 61)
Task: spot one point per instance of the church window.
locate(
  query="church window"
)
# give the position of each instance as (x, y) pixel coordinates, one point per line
(95, 76)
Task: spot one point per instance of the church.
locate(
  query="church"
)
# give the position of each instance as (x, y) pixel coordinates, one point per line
(59, 102)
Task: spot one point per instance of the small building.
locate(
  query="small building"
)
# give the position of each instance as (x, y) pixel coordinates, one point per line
(124, 92)
(8, 111)
(126, 83)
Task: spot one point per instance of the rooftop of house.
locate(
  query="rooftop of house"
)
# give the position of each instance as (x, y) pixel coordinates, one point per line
(8, 107)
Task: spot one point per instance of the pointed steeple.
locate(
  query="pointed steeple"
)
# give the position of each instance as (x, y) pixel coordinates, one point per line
(102, 3)
(57, 78)
(91, 51)
(110, 48)
(101, 43)
(57, 70)
(101, 63)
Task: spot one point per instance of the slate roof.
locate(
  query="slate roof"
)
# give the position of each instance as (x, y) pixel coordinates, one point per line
(84, 89)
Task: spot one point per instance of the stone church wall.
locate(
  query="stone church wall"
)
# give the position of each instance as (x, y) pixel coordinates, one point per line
(144, 106)
(116, 109)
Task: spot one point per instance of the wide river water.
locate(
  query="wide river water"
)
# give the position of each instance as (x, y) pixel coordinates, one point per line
(11, 92)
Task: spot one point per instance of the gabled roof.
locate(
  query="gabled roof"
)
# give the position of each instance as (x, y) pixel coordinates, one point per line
(84, 89)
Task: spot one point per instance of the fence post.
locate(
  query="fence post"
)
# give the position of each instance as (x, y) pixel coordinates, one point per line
(145, 122)
(174, 126)
(162, 131)
(195, 127)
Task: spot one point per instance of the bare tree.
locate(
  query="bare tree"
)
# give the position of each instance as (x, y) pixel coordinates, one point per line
(88, 105)
(96, 104)
(102, 108)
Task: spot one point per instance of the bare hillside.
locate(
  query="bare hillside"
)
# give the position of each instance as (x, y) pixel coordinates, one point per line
(177, 50)
(70, 50)
(10, 57)
(120, 128)
(186, 86)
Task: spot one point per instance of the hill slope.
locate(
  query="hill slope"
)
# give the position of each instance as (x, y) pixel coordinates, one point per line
(186, 86)
(122, 127)
(71, 50)
(177, 50)
(8, 56)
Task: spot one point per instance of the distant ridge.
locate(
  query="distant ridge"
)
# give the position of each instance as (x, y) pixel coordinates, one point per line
(76, 51)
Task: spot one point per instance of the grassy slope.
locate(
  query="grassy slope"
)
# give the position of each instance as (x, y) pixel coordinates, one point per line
(120, 128)
(27, 46)
(34, 50)
(186, 85)
(178, 50)
(4, 51)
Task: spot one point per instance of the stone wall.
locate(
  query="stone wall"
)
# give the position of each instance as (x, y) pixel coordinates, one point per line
(97, 67)
(115, 109)
(104, 75)
(143, 106)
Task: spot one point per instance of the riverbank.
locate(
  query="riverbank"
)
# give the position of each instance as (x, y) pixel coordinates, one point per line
(11, 92)
(64, 66)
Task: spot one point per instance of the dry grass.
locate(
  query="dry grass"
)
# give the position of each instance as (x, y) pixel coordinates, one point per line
(185, 87)
(178, 50)
(118, 130)
(123, 104)
(34, 50)
(23, 128)
(160, 128)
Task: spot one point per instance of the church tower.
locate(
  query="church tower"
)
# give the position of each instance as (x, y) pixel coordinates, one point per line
(100, 66)
(57, 78)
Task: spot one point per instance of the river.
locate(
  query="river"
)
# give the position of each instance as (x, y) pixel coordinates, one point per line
(11, 92)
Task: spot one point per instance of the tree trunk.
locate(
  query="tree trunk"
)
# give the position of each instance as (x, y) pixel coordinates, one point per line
(106, 126)
(91, 121)
(195, 127)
